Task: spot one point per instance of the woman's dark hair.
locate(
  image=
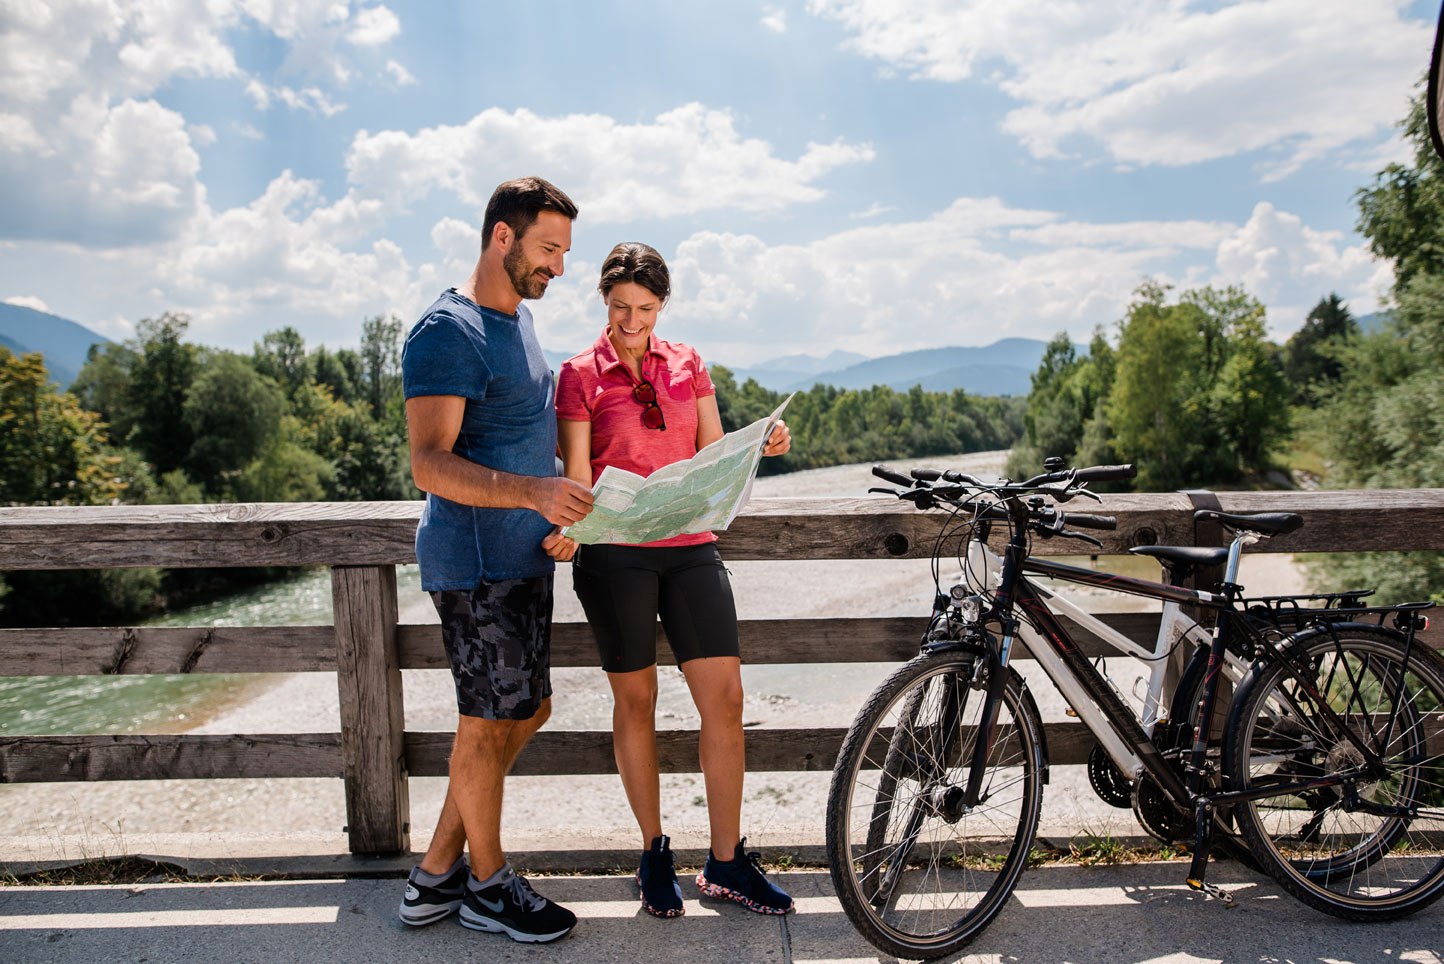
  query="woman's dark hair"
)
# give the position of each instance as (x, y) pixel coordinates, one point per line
(518, 202)
(638, 263)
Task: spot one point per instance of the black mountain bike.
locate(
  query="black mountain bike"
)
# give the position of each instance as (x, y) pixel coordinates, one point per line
(1330, 762)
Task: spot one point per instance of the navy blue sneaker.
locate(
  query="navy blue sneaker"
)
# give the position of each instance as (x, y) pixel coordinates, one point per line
(511, 907)
(422, 905)
(741, 879)
(657, 880)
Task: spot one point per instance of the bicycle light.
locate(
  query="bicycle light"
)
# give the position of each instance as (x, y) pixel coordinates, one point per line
(970, 608)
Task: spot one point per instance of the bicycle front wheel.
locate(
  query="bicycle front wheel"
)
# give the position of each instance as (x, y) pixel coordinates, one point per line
(918, 871)
(1364, 842)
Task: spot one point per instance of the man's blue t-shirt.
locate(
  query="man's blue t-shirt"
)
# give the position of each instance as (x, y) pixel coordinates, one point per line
(494, 362)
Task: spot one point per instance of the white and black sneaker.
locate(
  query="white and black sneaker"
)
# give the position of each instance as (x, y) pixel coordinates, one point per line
(511, 907)
(423, 904)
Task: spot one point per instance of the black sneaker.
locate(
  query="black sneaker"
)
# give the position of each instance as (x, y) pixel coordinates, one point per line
(741, 879)
(511, 907)
(657, 878)
(422, 905)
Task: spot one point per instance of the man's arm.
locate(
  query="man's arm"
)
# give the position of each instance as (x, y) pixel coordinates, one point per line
(432, 424)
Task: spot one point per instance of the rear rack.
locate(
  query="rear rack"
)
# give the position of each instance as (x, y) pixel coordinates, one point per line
(1296, 612)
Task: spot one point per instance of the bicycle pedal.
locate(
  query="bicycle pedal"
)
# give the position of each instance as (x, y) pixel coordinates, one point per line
(1213, 890)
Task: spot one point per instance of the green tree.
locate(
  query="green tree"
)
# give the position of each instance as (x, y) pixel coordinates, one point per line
(159, 384)
(381, 366)
(1310, 356)
(281, 356)
(52, 451)
(234, 413)
(1382, 421)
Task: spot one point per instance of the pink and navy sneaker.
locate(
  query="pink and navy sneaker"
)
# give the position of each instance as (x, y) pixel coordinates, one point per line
(657, 880)
(741, 879)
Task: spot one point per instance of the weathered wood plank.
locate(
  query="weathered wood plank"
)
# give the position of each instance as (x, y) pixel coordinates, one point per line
(64, 759)
(368, 677)
(768, 750)
(301, 649)
(376, 533)
(100, 651)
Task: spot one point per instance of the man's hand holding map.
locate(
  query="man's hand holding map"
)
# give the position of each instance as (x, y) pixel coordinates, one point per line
(702, 494)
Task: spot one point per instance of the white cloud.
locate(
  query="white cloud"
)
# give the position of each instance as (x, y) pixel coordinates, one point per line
(312, 100)
(90, 156)
(28, 301)
(399, 75)
(372, 27)
(1164, 83)
(1290, 266)
(774, 19)
(980, 270)
(686, 160)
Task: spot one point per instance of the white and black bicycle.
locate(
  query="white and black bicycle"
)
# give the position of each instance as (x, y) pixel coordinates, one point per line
(1329, 765)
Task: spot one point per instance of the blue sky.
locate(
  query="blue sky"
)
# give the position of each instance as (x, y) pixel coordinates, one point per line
(859, 174)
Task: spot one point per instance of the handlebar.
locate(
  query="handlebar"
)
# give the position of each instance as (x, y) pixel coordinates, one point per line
(1082, 520)
(883, 472)
(1106, 473)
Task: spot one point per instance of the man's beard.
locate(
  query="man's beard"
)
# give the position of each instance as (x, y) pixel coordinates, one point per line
(523, 274)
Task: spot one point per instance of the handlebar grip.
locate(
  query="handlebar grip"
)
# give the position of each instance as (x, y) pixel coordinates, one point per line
(883, 472)
(1106, 473)
(1083, 520)
(926, 475)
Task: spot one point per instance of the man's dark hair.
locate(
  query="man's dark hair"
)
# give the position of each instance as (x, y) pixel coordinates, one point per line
(633, 261)
(518, 202)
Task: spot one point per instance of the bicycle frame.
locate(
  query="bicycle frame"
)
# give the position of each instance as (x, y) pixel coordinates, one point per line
(1118, 729)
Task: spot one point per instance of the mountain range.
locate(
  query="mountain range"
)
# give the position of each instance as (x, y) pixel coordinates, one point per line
(1003, 368)
(64, 343)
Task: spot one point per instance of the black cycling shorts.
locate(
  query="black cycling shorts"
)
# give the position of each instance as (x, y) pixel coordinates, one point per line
(623, 589)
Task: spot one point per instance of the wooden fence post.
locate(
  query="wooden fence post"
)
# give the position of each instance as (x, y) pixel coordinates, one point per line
(368, 674)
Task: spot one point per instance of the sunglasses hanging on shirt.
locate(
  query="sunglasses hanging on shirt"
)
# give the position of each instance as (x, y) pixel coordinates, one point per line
(646, 395)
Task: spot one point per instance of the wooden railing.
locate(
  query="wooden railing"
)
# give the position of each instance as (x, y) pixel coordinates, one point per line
(367, 649)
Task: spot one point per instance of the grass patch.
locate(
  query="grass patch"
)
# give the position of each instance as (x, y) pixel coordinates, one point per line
(115, 870)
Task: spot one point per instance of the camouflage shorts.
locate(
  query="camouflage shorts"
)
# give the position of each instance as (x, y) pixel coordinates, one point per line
(498, 638)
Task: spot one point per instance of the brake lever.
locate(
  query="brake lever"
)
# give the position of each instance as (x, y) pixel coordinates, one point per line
(1070, 534)
(892, 492)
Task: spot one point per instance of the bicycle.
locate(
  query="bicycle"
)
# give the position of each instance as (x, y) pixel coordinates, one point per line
(1329, 763)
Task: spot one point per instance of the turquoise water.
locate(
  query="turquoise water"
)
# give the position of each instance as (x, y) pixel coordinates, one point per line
(35, 705)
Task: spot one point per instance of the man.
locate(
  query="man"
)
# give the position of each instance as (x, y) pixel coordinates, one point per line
(479, 413)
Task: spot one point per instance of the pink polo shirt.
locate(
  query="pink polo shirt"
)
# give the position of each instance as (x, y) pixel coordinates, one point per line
(595, 386)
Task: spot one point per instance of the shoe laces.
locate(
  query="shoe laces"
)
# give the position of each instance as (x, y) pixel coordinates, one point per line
(521, 892)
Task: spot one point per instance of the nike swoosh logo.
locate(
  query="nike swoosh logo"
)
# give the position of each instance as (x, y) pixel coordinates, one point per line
(495, 908)
(412, 893)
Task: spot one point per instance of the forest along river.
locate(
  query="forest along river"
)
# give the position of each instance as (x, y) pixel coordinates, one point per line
(778, 806)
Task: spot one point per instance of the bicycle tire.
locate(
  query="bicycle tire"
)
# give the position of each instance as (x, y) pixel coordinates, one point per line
(1321, 845)
(918, 875)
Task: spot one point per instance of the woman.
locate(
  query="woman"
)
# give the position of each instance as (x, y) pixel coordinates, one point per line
(639, 403)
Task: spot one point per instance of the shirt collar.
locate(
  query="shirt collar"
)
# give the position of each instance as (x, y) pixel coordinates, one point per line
(606, 352)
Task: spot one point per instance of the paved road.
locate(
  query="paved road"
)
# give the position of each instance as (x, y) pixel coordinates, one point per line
(1134, 913)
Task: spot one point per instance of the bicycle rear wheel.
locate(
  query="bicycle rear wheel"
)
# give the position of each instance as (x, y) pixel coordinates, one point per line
(918, 873)
(1371, 846)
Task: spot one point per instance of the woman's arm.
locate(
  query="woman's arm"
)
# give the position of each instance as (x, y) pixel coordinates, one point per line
(709, 421)
(575, 441)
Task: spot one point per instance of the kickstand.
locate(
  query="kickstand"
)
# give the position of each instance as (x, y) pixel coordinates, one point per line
(1203, 837)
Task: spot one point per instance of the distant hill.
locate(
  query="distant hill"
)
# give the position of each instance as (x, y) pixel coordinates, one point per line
(1369, 324)
(1003, 368)
(64, 343)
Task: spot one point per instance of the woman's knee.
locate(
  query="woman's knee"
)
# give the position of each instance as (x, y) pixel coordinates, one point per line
(635, 696)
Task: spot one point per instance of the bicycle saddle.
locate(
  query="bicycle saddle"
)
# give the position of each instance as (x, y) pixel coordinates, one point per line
(1193, 557)
(1269, 523)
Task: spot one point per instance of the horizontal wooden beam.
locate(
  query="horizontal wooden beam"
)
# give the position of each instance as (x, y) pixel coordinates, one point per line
(380, 533)
(307, 649)
(66, 759)
(70, 759)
